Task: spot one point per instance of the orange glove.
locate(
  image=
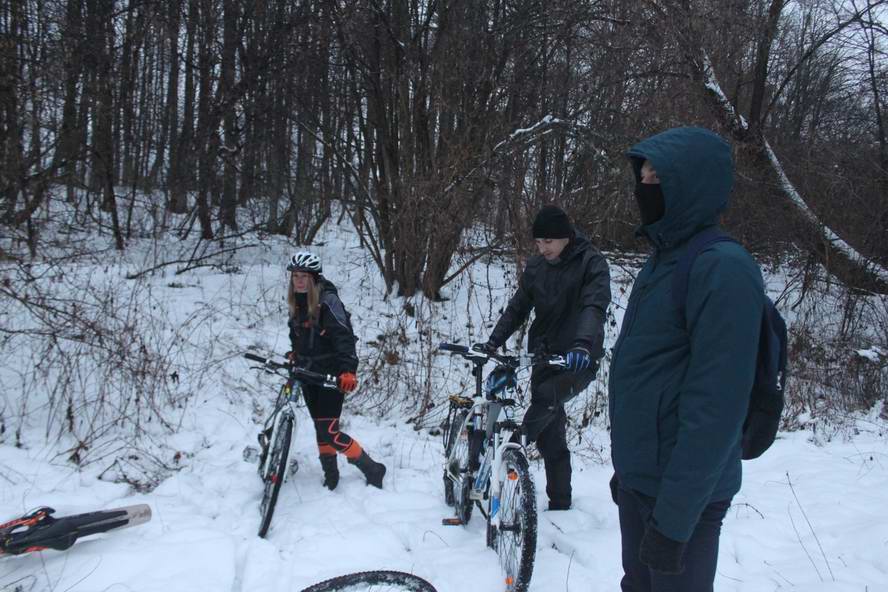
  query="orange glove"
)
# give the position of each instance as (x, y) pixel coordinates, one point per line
(348, 382)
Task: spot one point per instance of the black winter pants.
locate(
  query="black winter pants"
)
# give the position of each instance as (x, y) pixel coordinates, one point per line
(700, 555)
(545, 423)
(325, 407)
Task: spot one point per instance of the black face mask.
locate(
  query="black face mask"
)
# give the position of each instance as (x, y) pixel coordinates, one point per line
(650, 202)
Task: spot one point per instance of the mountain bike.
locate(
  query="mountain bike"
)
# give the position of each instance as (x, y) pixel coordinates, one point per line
(278, 431)
(485, 462)
(38, 530)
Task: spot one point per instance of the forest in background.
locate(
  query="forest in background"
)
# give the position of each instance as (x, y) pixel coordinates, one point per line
(419, 121)
(424, 118)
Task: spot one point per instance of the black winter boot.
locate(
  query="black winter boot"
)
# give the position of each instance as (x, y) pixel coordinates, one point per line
(331, 471)
(373, 471)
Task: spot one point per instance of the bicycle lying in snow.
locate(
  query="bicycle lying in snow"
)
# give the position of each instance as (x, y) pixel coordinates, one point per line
(38, 530)
(278, 431)
(485, 462)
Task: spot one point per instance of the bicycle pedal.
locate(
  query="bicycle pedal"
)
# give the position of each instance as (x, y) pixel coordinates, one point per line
(451, 522)
(294, 467)
(251, 454)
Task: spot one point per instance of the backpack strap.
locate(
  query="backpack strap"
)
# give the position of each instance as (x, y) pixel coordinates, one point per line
(682, 274)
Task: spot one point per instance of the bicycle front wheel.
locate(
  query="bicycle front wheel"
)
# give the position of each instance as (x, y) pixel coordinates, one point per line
(515, 539)
(274, 475)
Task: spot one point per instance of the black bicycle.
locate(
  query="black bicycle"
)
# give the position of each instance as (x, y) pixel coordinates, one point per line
(278, 430)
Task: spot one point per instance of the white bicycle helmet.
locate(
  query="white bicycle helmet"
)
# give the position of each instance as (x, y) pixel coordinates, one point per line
(306, 262)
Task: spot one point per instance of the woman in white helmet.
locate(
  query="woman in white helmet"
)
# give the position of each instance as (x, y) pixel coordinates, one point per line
(323, 341)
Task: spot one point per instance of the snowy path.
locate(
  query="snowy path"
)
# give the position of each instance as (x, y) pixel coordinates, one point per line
(202, 536)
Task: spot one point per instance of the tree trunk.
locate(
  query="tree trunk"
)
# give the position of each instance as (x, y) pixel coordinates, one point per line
(182, 162)
(12, 157)
(228, 211)
(170, 125)
(205, 124)
(762, 56)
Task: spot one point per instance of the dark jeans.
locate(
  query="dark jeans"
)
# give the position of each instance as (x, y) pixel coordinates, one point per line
(545, 423)
(700, 556)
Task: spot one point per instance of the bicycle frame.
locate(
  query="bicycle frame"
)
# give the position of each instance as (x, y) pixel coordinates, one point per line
(285, 408)
(484, 415)
(288, 397)
(498, 438)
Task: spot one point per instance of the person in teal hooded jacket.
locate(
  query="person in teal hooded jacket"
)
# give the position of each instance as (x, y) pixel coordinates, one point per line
(680, 381)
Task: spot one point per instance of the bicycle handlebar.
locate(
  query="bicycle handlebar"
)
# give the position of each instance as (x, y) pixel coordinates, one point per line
(324, 380)
(480, 357)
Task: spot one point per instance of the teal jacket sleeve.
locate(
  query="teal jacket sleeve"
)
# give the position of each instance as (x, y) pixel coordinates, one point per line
(723, 313)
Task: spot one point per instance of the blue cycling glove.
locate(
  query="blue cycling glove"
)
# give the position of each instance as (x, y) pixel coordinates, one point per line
(578, 359)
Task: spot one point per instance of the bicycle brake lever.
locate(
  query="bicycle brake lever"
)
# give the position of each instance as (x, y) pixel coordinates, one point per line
(558, 361)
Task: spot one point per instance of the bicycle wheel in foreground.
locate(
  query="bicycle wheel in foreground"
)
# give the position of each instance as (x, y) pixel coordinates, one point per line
(274, 476)
(373, 581)
(515, 539)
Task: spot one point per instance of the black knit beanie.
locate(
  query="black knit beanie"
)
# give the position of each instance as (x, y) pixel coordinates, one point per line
(552, 222)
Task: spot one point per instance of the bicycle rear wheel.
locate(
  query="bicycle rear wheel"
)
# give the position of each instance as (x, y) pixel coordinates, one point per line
(458, 458)
(453, 435)
(515, 539)
(274, 475)
(373, 581)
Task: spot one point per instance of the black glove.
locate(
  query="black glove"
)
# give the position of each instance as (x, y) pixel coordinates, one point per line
(660, 553)
(485, 348)
(614, 485)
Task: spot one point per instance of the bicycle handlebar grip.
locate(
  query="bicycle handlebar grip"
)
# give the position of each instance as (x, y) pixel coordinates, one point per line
(255, 358)
(452, 347)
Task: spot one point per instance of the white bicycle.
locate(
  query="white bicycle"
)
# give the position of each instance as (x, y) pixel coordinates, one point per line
(486, 466)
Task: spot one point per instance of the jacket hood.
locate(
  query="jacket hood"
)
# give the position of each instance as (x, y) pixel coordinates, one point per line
(696, 174)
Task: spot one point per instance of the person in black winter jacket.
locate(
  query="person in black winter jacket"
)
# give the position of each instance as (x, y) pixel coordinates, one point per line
(322, 341)
(568, 287)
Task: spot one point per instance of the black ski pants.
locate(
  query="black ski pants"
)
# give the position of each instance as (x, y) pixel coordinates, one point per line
(325, 407)
(545, 423)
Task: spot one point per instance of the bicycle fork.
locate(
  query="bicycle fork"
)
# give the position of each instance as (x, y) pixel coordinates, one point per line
(262, 457)
(496, 472)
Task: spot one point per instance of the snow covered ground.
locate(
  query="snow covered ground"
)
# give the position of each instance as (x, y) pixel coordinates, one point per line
(811, 514)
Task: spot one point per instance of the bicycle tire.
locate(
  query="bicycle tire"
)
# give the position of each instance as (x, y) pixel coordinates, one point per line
(274, 478)
(515, 539)
(362, 581)
(460, 457)
(453, 434)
